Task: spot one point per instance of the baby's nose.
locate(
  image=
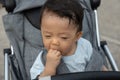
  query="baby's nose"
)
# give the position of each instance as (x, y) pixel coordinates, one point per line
(55, 42)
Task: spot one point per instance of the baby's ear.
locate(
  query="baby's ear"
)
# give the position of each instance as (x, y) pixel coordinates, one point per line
(79, 34)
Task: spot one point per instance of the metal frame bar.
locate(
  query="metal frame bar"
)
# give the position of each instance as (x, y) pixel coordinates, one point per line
(7, 52)
(6, 67)
(97, 28)
(108, 53)
(110, 58)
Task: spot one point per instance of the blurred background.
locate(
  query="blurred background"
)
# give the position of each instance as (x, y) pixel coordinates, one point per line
(109, 25)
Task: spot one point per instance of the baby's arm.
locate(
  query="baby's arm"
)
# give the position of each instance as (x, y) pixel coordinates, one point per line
(53, 58)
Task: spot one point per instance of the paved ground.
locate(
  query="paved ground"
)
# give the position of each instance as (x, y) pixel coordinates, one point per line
(3, 44)
(109, 22)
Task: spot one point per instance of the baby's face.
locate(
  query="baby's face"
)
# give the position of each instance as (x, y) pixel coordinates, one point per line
(58, 34)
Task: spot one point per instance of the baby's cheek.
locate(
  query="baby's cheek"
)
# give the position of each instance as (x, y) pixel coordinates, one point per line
(64, 51)
(46, 47)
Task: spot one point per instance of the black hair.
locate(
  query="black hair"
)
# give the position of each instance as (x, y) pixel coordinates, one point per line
(70, 9)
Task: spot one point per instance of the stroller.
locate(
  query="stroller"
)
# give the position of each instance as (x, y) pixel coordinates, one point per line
(26, 43)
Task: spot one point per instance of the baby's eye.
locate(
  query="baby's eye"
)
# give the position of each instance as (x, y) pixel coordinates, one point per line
(64, 38)
(47, 36)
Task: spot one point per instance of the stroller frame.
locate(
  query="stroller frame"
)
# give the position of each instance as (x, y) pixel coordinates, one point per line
(9, 5)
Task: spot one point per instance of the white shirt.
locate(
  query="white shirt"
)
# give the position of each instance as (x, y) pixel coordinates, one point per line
(75, 63)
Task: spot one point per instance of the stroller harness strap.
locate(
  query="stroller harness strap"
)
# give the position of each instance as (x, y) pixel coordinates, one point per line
(95, 63)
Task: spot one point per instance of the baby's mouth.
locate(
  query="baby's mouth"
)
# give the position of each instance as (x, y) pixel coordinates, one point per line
(58, 50)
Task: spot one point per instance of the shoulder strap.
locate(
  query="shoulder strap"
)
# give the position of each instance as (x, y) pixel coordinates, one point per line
(96, 62)
(43, 57)
(62, 68)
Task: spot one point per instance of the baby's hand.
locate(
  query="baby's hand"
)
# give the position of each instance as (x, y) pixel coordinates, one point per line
(53, 59)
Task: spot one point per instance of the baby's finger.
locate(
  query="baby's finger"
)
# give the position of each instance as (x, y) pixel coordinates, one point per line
(52, 51)
(58, 53)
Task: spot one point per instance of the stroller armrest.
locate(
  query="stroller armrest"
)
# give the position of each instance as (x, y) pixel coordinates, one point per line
(95, 4)
(8, 4)
(92, 75)
(99, 75)
(7, 51)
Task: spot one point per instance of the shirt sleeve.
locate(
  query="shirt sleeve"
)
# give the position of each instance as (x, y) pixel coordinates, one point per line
(87, 48)
(37, 67)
